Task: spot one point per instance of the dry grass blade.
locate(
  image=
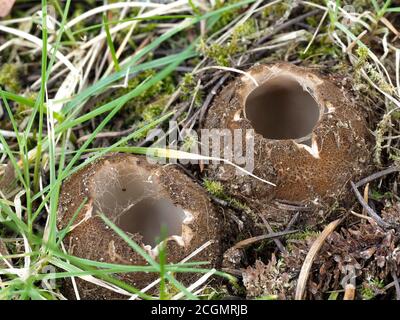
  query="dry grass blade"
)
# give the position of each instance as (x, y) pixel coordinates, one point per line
(396, 285)
(269, 236)
(350, 292)
(316, 246)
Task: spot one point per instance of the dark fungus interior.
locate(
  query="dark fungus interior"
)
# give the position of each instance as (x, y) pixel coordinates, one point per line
(281, 109)
(129, 199)
(149, 216)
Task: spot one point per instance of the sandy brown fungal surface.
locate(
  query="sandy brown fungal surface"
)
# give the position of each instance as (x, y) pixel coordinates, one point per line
(311, 138)
(138, 197)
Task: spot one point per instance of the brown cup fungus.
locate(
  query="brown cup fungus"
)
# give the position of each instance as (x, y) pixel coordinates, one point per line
(139, 198)
(310, 136)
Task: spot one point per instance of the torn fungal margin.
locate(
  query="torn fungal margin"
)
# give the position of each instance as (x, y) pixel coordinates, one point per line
(281, 109)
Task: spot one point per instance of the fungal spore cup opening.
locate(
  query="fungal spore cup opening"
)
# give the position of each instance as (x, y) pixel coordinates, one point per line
(131, 200)
(149, 216)
(281, 109)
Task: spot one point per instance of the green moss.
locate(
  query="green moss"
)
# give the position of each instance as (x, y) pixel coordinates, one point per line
(189, 90)
(276, 11)
(395, 156)
(226, 17)
(373, 74)
(9, 77)
(149, 113)
(215, 188)
(189, 143)
(187, 84)
(321, 49)
(303, 235)
(378, 196)
(166, 86)
(362, 54)
(371, 288)
(312, 21)
(237, 204)
(268, 297)
(380, 132)
(221, 53)
(245, 29)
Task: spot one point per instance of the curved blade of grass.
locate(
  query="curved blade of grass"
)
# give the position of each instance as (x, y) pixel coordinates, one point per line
(110, 43)
(118, 283)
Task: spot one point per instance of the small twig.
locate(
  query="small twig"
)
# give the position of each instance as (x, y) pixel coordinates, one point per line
(287, 24)
(361, 216)
(278, 242)
(235, 70)
(316, 31)
(210, 96)
(292, 221)
(103, 135)
(236, 273)
(367, 208)
(269, 236)
(377, 175)
(291, 207)
(392, 284)
(396, 284)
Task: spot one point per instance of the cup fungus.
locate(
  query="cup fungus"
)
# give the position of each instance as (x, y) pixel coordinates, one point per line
(139, 198)
(310, 136)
